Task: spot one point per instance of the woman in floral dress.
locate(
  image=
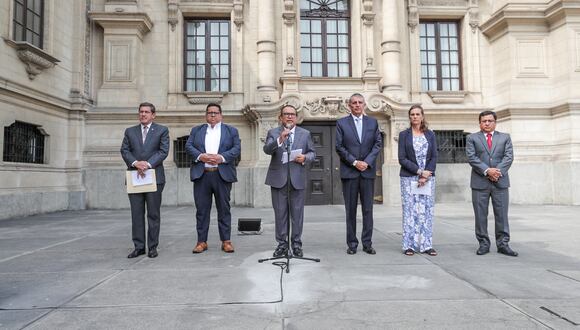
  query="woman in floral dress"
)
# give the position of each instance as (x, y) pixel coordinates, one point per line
(418, 159)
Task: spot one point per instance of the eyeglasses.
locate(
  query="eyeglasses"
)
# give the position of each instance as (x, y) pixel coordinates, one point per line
(289, 114)
(490, 121)
(211, 113)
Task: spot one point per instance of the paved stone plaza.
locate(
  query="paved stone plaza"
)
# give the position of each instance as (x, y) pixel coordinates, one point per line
(68, 270)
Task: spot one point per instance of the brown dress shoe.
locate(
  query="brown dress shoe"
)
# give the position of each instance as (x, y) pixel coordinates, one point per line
(200, 247)
(227, 247)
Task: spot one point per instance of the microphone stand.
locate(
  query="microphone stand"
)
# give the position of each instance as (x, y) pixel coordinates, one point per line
(288, 256)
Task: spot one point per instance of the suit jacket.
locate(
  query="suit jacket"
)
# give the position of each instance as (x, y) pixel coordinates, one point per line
(277, 175)
(154, 150)
(481, 158)
(407, 157)
(350, 148)
(229, 148)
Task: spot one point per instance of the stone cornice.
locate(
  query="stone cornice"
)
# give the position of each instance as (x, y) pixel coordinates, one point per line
(123, 22)
(513, 14)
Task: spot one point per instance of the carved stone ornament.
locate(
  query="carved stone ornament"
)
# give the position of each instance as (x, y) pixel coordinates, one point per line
(290, 60)
(329, 107)
(36, 59)
(368, 19)
(399, 127)
(377, 103)
(266, 125)
(473, 15)
(289, 13)
(413, 15)
(204, 97)
(172, 14)
(369, 62)
(238, 13)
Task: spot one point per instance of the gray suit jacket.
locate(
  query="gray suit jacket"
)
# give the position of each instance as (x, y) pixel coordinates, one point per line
(277, 175)
(154, 150)
(481, 158)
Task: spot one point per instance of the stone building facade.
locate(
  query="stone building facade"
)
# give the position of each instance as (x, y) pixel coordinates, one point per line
(73, 72)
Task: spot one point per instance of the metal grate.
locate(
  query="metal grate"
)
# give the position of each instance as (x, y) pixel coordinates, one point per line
(451, 146)
(23, 143)
(180, 156)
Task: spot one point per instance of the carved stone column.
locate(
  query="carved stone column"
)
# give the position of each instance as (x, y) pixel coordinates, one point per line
(391, 47)
(290, 73)
(266, 52)
(124, 29)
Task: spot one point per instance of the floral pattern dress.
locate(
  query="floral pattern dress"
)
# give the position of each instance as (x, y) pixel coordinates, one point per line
(417, 209)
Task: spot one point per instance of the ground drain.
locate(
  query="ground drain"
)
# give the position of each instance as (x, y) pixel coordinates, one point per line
(558, 315)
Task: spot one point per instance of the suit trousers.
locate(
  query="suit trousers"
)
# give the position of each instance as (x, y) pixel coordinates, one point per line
(280, 205)
(500, 202)
(151, 201)
(351, 190)
(208, 185)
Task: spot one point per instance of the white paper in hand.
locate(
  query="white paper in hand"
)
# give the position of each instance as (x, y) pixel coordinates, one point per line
(424, 190)
(139, 180)
(293, 155)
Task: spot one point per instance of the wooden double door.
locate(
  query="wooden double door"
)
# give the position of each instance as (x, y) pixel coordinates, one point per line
(323, 184)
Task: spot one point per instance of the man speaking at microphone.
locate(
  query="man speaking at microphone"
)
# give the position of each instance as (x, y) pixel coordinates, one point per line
(298, 141)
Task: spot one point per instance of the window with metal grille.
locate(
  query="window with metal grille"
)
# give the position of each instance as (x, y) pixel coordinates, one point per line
(324, 38)
(451, 146)
(23, 143)
(440, 66)
(28, 21)
(207, 55)
(180, 156)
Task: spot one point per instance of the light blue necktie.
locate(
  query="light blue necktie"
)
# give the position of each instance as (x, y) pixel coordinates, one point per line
(358, 124)
(291, 138)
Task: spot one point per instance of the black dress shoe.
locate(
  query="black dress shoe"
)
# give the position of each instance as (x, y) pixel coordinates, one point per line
(135, 253)
(507, 251)
(369, 250)
(482, 250)
(297, 251)
(351, 250)
(152, 253)
(280, 252)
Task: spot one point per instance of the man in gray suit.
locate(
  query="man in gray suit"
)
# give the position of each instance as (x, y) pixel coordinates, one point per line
(277, 142)
(145, 146)
(490, 154)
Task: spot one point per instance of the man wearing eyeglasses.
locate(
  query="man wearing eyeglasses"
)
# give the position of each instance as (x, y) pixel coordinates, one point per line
(490, 154)
(214, 148)
(277, 142)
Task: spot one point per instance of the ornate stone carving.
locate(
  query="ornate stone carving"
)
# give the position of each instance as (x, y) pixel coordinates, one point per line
(413, 15)
(36, 59)
(238, 13)
(266, 125)
(377, 103)
(369, 62)
(204, 97)
(368, 16)
(473, 15)
(329, 107)
(289, 14)
(399, 127)
(290, 61)
(445, 3)
(172, 13)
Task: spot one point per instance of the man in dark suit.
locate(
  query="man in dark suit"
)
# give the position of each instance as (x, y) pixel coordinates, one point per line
(214, 148)
(358, 143)
(277, 141)
(145, 146)
(490, 154)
